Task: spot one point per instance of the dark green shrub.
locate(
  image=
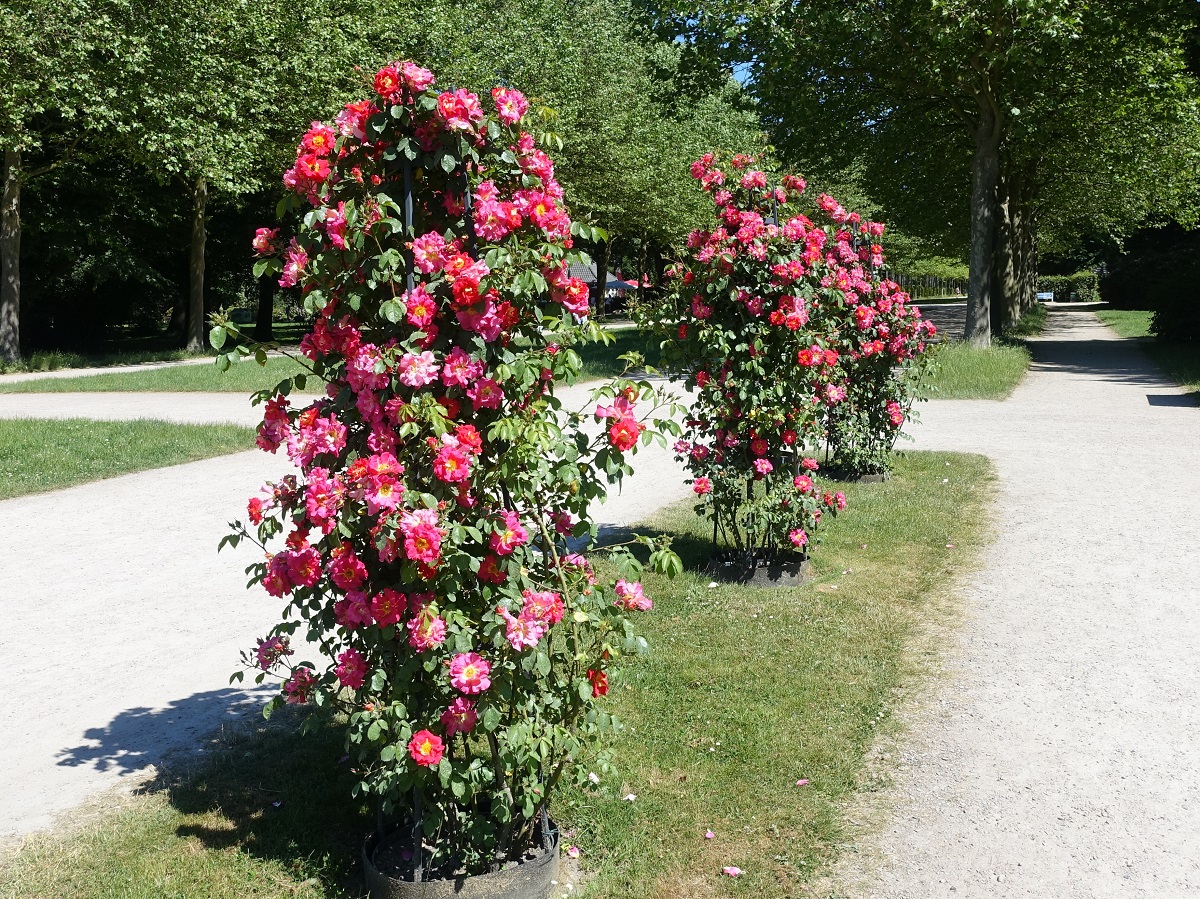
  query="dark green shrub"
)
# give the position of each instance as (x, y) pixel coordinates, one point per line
(1081, 287)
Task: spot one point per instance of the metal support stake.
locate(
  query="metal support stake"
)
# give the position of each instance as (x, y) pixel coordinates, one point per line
(418, 839)
(408, 223)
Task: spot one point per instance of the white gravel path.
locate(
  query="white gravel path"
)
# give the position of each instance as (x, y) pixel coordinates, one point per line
(120, 624)
(1061, 757)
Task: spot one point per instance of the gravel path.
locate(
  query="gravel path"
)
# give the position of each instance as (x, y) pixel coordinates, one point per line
(120, 624)
(1061, 757)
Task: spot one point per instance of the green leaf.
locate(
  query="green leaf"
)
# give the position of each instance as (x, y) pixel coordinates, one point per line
(216, 337)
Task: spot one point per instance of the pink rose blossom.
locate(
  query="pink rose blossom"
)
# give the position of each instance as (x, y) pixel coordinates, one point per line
(353, 610)
(418, 370)
(631, 597)
(485, 393)
(298, 687)
(521, 633)
(426, 631)
(351, 669)
(426, 748)
(544, 606)
(460, 717)
(388, 606)
(511, 105)
(415, 77)
(509, 534)
(264, 241)
(469, 673)
(271, 650)
(461, 369)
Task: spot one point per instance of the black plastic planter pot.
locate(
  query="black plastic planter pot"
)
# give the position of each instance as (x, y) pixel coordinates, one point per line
(778, 571)
(530, 879)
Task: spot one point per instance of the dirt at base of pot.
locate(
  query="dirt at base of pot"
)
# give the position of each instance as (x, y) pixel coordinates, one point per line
(751, 569)
(386, 867)
(850, 477)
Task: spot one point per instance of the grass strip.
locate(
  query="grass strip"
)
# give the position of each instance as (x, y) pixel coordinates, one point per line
(965, 372)
(1181, 361)
(43, 454)
(749, 690)
(599, 361)
(242, 377)
(745, 691)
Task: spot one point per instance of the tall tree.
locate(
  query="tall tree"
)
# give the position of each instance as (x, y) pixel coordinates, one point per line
(857, 74)
(59, 65)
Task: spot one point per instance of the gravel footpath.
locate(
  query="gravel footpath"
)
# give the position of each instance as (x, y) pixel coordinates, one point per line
(120, 624)
(1061, 756)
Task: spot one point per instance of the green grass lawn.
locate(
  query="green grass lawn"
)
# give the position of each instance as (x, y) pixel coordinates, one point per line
(745, 692)
(602, 360)
(242, 377)
(599, 361)
(1127, 322)
(53, 360)
(41, 454)
(964, 372)
(1181, 361)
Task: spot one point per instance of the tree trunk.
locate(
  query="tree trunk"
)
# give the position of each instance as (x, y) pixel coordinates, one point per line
(1004, 265)
(266, 310)
(601, 276)
(1007, 304)
(195, 321)
(985, 173)
(10, 259)
(1028, 243)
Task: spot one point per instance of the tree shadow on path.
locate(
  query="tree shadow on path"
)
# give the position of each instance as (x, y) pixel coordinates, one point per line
(241, 783)
(1117, 361)
(139, 737)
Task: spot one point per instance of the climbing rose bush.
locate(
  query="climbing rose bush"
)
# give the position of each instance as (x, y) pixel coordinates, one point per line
(788, 338)
(420, 553)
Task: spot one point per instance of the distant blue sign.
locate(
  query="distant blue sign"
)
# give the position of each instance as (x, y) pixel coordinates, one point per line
(1046, 297)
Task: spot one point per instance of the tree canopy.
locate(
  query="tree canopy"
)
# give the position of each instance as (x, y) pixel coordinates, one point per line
(1062, 117)
(205, 101)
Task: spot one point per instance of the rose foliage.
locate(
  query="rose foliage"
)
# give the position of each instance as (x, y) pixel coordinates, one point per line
(421, 549)
(791, 341)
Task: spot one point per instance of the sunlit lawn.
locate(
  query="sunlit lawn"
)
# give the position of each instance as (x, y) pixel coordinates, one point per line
(241, 377)
(42, 454)
(599, 361)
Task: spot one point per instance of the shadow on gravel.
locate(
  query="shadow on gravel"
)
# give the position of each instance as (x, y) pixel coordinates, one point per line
(142, 736)
(1186, 400)
(264, 789)
(1101, 360)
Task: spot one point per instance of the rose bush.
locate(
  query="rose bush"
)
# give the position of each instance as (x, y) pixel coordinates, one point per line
(421, 548)
(790, 341)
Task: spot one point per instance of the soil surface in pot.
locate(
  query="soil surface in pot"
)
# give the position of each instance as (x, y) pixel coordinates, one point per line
(739, 568)
(393, 858)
